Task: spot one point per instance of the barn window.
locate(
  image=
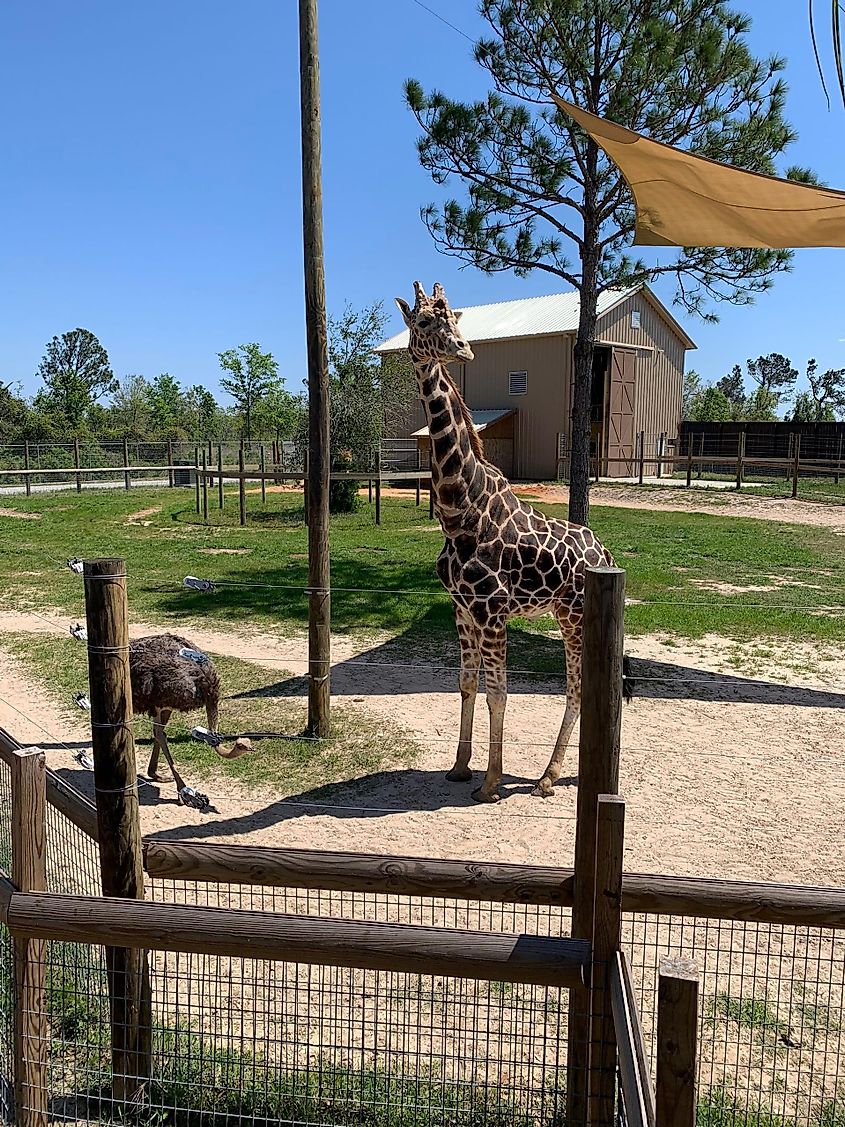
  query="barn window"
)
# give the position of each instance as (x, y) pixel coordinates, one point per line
(517, 383)
(635, 318)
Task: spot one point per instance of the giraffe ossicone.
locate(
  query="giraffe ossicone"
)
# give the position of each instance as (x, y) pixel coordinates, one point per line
(501, 558)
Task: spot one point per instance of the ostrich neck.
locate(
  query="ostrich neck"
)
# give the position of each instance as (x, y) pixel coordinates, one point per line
(458, 474)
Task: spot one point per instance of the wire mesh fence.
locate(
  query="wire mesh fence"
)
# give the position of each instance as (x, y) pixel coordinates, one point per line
(246, 1040)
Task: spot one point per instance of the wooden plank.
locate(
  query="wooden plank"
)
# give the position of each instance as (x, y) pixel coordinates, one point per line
(29, 875)
(60, 794)
(116, 788)
(241, 486)
(358, 872)
(598, 773)
(285, 938)
(635, 1080)
(490, 881)
(607, 935)
(6, 890)
(75, 806)
(677, 1035)
(643, 1059)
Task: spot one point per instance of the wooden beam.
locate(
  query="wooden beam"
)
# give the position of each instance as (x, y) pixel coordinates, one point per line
(319, 454)
(677, 1035)
(29, 875)
(357, 872)
(637, 1089)
(323, 942)
(644, 893)
(116, 788)
(598, 773)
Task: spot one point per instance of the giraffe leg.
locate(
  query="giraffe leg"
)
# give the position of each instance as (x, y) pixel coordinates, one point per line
(470, 662)
(572, 643)
(161, 718)
(494, 653)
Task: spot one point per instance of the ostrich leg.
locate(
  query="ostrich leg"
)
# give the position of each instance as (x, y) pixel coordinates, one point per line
(158, 727)
(494, 647)
(159, 721)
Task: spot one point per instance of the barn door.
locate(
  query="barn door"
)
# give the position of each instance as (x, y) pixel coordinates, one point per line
(620, 414)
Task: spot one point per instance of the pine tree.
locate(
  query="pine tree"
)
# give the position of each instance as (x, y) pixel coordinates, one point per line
(542, 196)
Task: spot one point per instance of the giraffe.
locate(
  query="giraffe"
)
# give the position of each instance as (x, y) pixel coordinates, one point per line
(501, 558)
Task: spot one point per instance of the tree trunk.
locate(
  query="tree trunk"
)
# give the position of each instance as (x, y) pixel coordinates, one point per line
(579, 468)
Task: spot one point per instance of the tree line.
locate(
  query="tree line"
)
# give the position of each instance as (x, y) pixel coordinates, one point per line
(80, 397)
(773, 379)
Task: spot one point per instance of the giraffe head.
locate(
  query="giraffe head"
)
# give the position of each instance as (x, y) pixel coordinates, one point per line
(434, 332)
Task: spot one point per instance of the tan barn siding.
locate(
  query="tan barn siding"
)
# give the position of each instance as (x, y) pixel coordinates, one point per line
(660, 364)
(542, 412)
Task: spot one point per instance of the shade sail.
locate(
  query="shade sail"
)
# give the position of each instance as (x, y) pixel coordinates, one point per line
(689, 201)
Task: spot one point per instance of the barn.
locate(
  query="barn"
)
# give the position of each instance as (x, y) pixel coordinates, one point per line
(519, 387)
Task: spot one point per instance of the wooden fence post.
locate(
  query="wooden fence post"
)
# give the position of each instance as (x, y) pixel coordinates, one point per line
(419, 468)
(118, 822)
(661, 445)
(170, 462)
(677, 1032)
(598, 773)
(77, 463)
(838, 462)
(28, 476)
(607, 933)
(740, 458)
(689, 460)
(378, 484)
(204, 486)
(29, 874)
(796, 465)
(197, 478)
(220, 476)
(262, 461)
(642, 456)
(126, 481)
(701, 455)
(242, 485)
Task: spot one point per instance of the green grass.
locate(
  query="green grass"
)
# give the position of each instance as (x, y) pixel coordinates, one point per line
(668, 556)
(256, 700)
(753, 1014)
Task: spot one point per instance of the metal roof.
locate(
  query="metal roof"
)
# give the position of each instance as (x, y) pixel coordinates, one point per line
(526, 317)
(480, 420)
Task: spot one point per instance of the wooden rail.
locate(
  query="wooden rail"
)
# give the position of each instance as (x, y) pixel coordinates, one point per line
(272, 936)
(64, 797)
(646, 893)
(637, 1089)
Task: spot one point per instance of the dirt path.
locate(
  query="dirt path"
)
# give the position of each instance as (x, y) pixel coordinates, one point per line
(721, 503)
(725, 774)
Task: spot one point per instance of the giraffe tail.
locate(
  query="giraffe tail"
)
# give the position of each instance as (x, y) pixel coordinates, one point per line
(628, 682)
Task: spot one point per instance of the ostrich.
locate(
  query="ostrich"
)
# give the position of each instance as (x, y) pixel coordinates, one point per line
(166, 680)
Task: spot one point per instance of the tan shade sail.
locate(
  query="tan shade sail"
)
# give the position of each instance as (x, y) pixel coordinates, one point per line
(689, 201)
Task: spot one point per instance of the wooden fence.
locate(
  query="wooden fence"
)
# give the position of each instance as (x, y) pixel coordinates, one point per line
(605, 1028)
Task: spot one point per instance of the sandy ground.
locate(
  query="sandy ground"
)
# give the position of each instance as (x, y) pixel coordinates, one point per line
(725, 773)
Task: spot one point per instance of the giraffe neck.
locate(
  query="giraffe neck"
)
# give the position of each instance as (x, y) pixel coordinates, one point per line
(459, 474)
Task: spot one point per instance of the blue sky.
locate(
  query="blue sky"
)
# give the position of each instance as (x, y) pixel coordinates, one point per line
(151, 181)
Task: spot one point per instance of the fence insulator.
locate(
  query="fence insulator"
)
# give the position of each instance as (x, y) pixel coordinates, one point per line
(82, 701)
(193, 798)
(194, 655)
(79, 632)
(84, 760)
(213, 739)
(198, 584)
(76, 565)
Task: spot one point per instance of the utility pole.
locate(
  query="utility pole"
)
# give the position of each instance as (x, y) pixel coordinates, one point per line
(319, 599)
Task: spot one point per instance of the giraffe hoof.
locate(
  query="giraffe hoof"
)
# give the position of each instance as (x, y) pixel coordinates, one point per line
(160, 777)
(459, 775)
(543, 789)
(482, 795)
